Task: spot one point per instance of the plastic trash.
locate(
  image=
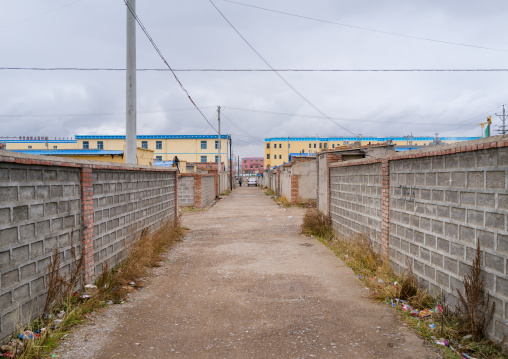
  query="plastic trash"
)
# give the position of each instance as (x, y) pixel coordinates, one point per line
(441, 342)
(290, 216)
(432, 326)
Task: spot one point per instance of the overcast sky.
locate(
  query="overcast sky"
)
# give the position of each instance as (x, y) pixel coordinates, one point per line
(193, 35)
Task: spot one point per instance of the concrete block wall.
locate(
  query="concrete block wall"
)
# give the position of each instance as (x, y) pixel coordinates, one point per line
(185, 192)
(285, 182)
(356, 200)
(125, 203)
(207, 190)
(440, 206)
(39, 212)
(436, 204)
(52, 203)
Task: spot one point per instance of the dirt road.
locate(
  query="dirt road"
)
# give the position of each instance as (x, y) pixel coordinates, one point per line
(245, 284)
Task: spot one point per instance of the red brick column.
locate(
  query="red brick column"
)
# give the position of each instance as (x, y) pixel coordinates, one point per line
(198, 189)
(294, 188)
(385, 198)
(87, 224)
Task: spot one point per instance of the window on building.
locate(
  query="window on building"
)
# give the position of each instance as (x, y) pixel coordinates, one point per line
(158, 158)
(280, 157)
(310, 145)
(320, 145)
(268, 156)
(158, 145)
(314, 145)
(333, 145)
(144, 144)
(203, 158)
(100, 145)
(203, 146)
(216, 145)
(216, 157)
(55, 147)
(326, 145)
(268, 145)
(86, 145)
(29, 147)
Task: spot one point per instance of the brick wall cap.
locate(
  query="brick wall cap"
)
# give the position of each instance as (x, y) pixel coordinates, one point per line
(463, 146)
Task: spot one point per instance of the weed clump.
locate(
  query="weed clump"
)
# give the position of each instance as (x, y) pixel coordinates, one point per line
(474, 305)
(282, 201)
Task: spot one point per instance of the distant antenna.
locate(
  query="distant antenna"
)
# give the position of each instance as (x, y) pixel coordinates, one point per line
(502, 130)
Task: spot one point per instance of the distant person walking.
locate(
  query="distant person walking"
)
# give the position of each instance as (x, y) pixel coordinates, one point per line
(240, 181)
(176, 162)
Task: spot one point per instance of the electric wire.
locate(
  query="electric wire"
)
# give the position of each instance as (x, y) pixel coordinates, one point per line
(278, 74)
(246, 70)
(133, 13)
(37, 15)
(365, 28)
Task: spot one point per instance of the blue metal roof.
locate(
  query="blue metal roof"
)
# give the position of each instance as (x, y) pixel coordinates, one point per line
(93, 152)
(151, 137)
(40, 141)
(381, 139)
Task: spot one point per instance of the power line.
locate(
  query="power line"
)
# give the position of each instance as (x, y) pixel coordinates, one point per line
(103, 113)
(278, 74)
(365, 28)
(40, 14)
(164, 60)
(243, 70)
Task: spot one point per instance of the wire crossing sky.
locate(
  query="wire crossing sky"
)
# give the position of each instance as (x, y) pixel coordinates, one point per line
(375, 68)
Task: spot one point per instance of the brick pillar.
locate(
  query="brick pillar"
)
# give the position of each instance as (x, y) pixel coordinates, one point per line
(176, 195)
(294, 188)
(87, 224)
(198, 186)
(385, 198)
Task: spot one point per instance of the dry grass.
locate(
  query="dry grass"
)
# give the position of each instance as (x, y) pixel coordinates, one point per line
(270, 192)
(315, 223)
(282, 201)
(144, 254)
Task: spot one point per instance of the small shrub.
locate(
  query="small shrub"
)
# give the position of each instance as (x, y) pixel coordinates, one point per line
(315, 223)
(282, 201)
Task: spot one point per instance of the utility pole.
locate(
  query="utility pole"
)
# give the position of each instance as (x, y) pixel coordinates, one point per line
(288, 149)
(502, 130)
(230, 165)
(130, 128)
(219, 161)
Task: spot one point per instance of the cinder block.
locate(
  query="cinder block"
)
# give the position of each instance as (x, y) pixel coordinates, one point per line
(495, 262)
(430, 272)
(475, 217)
(9, 279)
(442, 279)
(451, 265)
(475, 180)
(26, 193)
(50, 209)
(458, 179)
(6, 300)
(457, 250)
(56, 191)
(496, 180)
(9, 194)
(424, 254)
(486, 238)
(20, 254)
(495, 220)
(28, 271)
(5, 215)
(437, 259)
(34, 175)
(42, 192)
(459, 214)
(49, 175)
(501, 286)
(27, 232)
(437, 227)
(4, 175)
(502, 243)
(63, 207)
(486, 200)
(467, 198)
(18, 175)
(443, 212)
(444, 179)
(464, 269)
(467, 234)
(8, 237)
(36, 249)
(431, 178)
(36, 211)
(443, 245)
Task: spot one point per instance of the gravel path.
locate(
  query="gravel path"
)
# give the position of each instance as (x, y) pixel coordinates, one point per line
(245, 284)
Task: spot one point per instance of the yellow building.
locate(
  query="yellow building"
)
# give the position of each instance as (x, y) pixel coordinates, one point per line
(279, 149)
(188, 148)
